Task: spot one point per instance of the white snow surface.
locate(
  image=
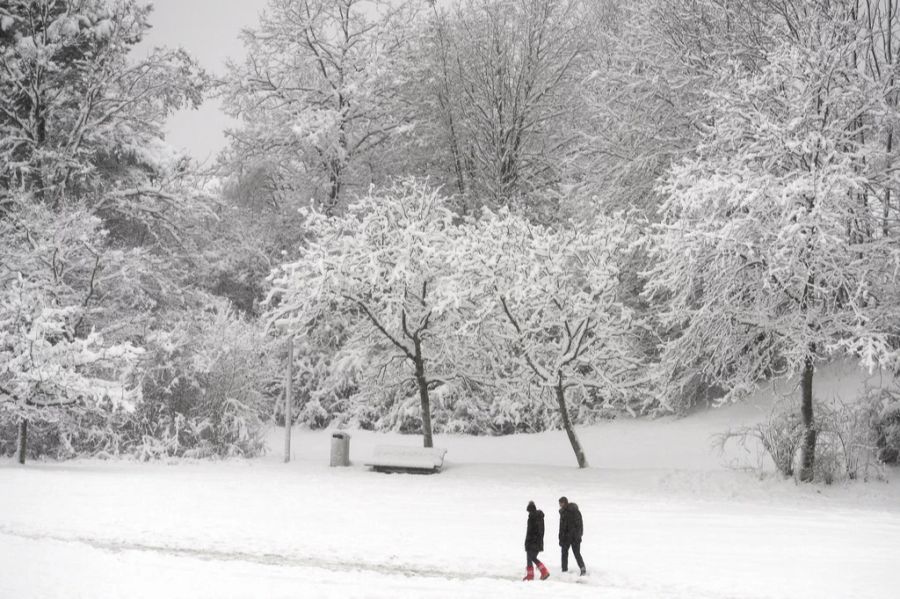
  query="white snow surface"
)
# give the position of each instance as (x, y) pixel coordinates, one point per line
(664, 518)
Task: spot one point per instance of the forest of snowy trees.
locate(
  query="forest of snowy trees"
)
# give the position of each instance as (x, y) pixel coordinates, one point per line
(467, 216)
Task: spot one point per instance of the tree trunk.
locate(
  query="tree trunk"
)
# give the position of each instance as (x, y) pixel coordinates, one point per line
(38, 179)
(445, 102)
(457, 161)
(22, 442)
(338, 164)
(288, 400)
(334, 186)
(567, 424)
(889, 55)
(808, 446)
(886, 209)
(422, 383)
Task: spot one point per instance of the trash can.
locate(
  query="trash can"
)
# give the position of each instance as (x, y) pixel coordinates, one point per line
(340, 449)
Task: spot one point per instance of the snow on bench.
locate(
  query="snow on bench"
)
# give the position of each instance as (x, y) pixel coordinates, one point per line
(402, 458)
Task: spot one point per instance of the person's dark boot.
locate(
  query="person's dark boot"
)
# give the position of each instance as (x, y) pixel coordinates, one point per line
(583, 571)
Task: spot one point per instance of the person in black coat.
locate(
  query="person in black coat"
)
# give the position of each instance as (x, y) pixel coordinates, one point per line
(534, 542)
(571, 529)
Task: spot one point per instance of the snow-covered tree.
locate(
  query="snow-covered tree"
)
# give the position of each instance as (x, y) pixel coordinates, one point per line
(207, 385)
(760, 255)
(104, 223)
(81, 119)
(385, 272)
(504, 79)
(318, 93)
(53, 364)
(550, 306)
(878, 28)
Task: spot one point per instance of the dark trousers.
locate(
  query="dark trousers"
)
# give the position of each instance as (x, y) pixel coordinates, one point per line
(576, 549)
(532, 558)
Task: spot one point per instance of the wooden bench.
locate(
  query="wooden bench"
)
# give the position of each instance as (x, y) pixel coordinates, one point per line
(402, 458)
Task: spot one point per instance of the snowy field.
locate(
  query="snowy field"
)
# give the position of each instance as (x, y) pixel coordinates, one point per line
(664, 517)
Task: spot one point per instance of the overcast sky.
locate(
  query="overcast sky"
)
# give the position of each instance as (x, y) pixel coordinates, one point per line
(208, 29)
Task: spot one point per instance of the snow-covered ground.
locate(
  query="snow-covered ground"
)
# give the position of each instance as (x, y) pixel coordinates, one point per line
(663, 518)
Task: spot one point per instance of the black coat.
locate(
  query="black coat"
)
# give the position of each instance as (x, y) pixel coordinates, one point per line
(534, 535)
(571, 527)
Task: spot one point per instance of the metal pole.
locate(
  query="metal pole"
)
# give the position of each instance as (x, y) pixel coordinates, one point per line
(288, 400)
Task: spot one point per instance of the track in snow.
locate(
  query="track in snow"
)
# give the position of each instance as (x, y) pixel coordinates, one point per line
(265, 573)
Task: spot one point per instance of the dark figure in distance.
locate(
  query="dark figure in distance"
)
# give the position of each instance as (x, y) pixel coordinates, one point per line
(571, 529)
(534, 542)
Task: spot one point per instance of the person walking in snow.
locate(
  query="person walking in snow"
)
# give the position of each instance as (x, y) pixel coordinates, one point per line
(571, 529)
(534, 542)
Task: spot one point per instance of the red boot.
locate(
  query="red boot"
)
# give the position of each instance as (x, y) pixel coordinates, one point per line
(545, 573)
(529, 573)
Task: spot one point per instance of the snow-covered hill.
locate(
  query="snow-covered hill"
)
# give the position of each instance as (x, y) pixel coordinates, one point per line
(666, 443)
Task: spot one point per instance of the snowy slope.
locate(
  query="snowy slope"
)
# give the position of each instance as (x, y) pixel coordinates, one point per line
(667, 443)
(663, 518)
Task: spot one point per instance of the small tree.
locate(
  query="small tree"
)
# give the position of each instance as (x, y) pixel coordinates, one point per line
(204, 384)
(384, 270)
(549, 300)
(54, 267)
